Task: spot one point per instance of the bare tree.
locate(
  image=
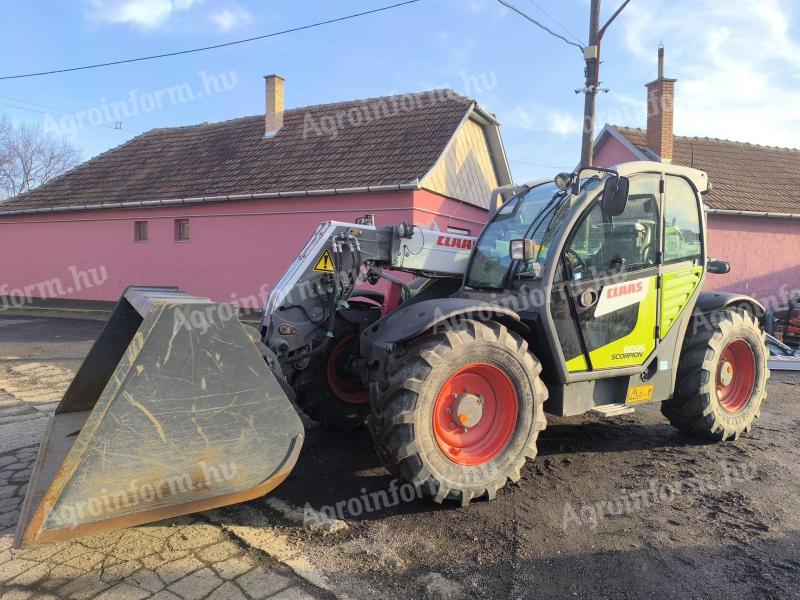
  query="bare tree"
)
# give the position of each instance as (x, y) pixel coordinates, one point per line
(29, 157)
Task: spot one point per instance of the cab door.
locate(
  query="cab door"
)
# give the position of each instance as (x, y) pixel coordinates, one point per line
(683, 253)
(605, 305)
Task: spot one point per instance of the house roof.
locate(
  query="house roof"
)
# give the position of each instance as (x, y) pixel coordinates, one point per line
(745, 177)
(387, 141)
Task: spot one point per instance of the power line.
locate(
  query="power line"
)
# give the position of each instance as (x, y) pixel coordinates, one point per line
(244, 41)
(539, 24)
(556, 21)
(51, 107)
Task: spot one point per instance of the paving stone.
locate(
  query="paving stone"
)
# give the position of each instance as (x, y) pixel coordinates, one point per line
(65, 572)
(12, 568)
(197, 585)
(7, 491)
(233, 567)
(42, 552)
(87, 561)
(165, 595)
(147, 579)
(126, 568)
(9, 519)
(23, 433)
(260, 583)
(153, 561)
(84, 587)
(295, 593)
(66, 552)
(195, 536)
(30, 576)
(172, 572)
(219, 552)
(227, 591)
(22, 417)
(7, 503)
(17, 595)
(123, 591)
(132, 544)
(5, 542)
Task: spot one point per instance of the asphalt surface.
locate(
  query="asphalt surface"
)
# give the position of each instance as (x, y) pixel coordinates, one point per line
(622, 508)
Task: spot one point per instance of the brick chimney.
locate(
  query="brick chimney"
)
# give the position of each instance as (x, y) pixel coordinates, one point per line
(660, 103)
(273, 116)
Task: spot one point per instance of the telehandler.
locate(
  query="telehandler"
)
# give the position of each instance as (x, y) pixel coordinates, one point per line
(580, 294)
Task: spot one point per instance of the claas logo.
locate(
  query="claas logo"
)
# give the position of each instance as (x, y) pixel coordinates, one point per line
(450, 242)
(625, 289)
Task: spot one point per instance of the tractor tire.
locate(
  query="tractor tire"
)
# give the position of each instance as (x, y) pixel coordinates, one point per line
(324, 393)
(459, 412)
(722, 378)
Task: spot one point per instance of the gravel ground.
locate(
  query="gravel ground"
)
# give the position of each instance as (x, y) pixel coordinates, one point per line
(623, 508)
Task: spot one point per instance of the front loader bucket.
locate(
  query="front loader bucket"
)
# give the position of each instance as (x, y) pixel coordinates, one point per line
(173, 411)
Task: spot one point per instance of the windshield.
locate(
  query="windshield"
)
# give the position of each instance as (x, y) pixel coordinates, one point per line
(534, 214)
(524, 216)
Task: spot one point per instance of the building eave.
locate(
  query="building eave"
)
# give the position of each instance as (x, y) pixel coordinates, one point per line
(750, 213)
(372, 189)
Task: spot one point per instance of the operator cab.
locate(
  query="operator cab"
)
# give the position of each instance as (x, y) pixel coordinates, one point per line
(599, 268)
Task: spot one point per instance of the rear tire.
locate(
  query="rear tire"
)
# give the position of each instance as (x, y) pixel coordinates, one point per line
(722, 377)
(324, 393)
(442, 378)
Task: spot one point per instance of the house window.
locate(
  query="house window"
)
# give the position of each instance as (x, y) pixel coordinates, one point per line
(458, 230)
(140, 231)
(181, 230)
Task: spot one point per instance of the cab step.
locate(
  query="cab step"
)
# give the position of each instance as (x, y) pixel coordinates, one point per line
(612, 410)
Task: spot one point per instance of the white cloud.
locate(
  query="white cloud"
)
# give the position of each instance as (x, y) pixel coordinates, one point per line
(232, 18)
(146, 14)
(535, 117)
(737, 64)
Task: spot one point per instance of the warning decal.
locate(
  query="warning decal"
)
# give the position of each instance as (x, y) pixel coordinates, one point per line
(325, 263)
(642, 393)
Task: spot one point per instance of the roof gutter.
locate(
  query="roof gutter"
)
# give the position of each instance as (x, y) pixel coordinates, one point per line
(749, 213)
(372, 189)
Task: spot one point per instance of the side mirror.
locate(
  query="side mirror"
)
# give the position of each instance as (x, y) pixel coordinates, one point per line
(719, 267)
(524, 250)
(615, 196)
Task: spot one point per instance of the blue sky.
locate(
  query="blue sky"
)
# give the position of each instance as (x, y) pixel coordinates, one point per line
(737, 64)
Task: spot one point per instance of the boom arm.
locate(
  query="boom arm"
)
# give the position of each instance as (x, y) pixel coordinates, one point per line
(298, 317)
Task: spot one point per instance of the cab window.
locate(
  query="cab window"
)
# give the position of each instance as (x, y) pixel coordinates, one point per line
(682, 227)
(605, 245)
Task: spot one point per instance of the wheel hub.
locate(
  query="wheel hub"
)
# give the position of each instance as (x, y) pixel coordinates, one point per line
(468, 410)
(736, 376)
(726, 373)
(343, 386)
(475, 414)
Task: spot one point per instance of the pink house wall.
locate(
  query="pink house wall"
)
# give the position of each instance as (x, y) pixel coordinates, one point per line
(237, 250)
(611, 153)
(763, 254)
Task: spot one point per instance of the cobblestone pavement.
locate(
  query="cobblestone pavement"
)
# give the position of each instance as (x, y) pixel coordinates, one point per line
(186, 558)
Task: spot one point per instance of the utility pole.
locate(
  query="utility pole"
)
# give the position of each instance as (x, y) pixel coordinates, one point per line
(591, 55)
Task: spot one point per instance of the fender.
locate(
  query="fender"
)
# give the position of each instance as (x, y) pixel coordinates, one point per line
(408, 322)
(709, 302)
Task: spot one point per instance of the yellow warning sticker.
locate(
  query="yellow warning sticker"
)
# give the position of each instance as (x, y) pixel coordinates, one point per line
(640, 393)
(325, 263)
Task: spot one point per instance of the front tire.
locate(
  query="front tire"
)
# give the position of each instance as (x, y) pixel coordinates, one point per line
(722, 378)
(460, 411)
(324, 391)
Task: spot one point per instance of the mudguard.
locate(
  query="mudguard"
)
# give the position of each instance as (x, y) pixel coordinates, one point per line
(709, 302)
(410, 321)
